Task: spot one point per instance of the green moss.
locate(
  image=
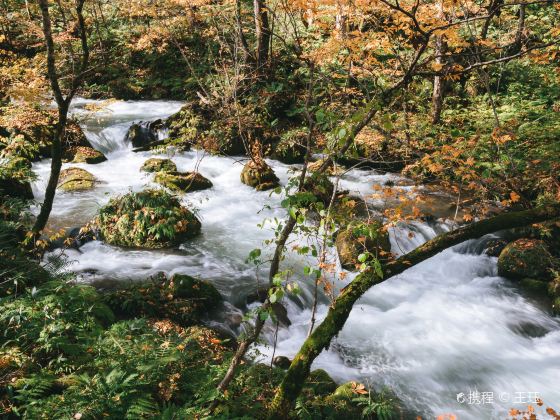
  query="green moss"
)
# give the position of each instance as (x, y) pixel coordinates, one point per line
(259, 176)
(525, 258)
(320, 382)
(182, 299)
(183, 181)
(156, 165)
(147, 219)
(89, 155)
(75, 179)
(534, 286)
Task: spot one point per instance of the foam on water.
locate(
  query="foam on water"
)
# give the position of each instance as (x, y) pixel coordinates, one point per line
(446, 326)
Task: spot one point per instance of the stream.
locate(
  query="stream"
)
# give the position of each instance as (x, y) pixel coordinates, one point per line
(447, 326)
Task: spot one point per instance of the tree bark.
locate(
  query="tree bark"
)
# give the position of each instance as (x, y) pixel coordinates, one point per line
(262, 32)
(320, 339)
(63, 104)
(437, 94)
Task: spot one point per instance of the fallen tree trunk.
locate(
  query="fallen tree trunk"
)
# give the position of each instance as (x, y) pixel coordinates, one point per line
(320, 339)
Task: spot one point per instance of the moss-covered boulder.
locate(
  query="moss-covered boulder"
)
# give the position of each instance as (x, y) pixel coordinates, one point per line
(187, 287)
(141, 134)
(75, 179)
(259, 175)
(146, 219)
(525, 258)
(320, 382)
(183, 181)
(181, 299)
(362, 238)
(85, 154)
(157, 165)
(281, 362)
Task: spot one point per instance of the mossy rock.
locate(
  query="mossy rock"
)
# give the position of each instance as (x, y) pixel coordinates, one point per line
(359, 238)
(187, 125)
(83, 154)
(345, 391)
(259, 175)
(75, 179)
(533, 286)
(320, 382)
(146, 219)
(187, 287)
(183, 181)
(182, 299)
(554, 288)
(525, 258)
(157, 165)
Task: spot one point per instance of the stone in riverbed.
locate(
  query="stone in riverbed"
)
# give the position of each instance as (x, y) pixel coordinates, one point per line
(526, 258)
(84, 154)
(320, 382)
(157, 165)
(143, 133)
(282, 362)
(147, 219)
(75, 179)
(259, 175)
(183, 181)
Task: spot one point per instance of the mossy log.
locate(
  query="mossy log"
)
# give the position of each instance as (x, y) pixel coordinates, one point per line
(339, 311)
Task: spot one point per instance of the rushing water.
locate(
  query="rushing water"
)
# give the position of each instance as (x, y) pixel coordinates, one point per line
(447, 326)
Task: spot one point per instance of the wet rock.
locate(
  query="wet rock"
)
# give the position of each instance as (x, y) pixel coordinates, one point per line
(75, 179)
(156, 165)
(187, 287)
(282, 362)
(525, 258)
(494, 247)
(259, 175)
(146, 219)
(73, 238)
(182, 299)
(84, 154)
(280, 312)
(359, 238)
(183, 181)
(533, 286)
(320, 382)
(143, 133)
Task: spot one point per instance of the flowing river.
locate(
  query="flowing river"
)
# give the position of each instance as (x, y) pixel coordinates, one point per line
(446, 327)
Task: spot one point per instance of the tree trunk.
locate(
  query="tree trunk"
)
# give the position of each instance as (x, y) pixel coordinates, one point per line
(320, 339)
(262, 32)
(63, 104)
(437, 94)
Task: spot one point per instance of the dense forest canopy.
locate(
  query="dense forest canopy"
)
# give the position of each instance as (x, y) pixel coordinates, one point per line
(338, 125)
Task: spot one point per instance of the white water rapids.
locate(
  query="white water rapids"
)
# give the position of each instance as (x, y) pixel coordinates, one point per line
(447, 326)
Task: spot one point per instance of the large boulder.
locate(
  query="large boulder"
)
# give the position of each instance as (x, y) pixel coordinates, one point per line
(331, 169)
(146, 219)
(157, 165)
(361, 238)
(183, 181)
(259, 175)
(525, 258)
(75, 179)
(181, 299)
(144, 132)
(84, 154)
